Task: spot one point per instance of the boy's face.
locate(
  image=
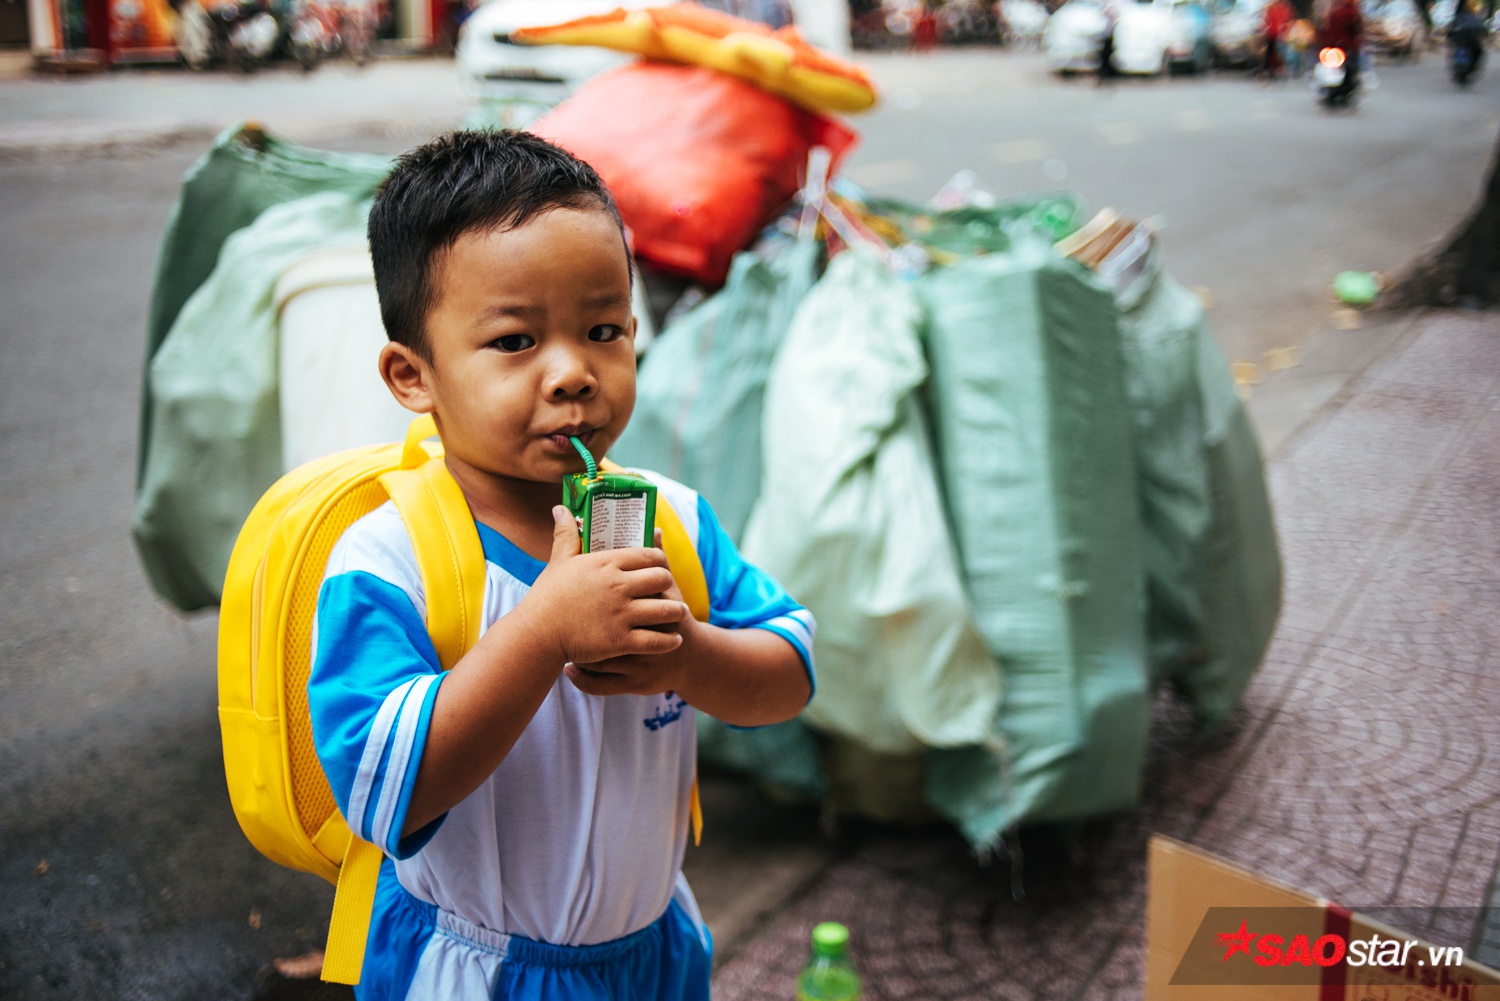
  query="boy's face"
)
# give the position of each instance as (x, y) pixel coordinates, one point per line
(532, 340)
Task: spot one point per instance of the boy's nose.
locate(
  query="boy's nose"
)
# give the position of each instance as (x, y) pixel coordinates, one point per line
(570, 377)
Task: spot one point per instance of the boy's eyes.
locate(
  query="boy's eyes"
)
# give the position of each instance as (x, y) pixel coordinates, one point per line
(513, 342)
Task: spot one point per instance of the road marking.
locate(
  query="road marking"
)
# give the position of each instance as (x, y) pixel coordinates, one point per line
(1121, 134)
(1246, 374)
(878, 175)
(1020, 151)
(1281, 359)
(1192, 120)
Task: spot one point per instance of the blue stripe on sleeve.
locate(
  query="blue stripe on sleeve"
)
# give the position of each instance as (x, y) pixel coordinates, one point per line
(419, 706)
(743, 596)
(375, 675)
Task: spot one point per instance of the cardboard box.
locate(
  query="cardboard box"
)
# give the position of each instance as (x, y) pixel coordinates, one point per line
(1215, 931)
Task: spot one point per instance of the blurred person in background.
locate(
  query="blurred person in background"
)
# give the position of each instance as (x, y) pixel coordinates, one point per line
(924, 32)
(1107, 41)
(1300, 35)
(1274, 22)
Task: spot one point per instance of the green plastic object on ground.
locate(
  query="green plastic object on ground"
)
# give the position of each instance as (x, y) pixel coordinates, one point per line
(245, 172)
(700, 390)
(1356, 288)
(213, 442)
(829, 974)
(1030, 411)
(1213, 565)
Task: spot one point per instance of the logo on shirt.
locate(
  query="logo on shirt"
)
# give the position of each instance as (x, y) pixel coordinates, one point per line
(669, 713)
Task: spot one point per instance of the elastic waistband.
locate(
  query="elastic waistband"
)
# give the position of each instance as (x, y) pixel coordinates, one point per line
(517, 948)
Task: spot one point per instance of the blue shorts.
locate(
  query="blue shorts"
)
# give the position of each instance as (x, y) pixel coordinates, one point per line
(418, 953)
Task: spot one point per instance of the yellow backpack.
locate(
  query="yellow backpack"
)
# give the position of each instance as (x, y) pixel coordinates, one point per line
(276, 784)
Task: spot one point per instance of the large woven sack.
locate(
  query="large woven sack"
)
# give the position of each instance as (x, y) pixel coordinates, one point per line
(1035, 455)
(850, 519)
(1213, 564)
(245, 172)
(213, 443)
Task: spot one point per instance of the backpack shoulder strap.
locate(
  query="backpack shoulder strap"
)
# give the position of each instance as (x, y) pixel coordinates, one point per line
(451, 560)
(449, 554)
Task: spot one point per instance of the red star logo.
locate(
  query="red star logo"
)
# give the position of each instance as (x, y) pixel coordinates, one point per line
(1238, 941)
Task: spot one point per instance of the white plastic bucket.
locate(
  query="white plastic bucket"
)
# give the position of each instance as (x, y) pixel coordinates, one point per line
(332, 396)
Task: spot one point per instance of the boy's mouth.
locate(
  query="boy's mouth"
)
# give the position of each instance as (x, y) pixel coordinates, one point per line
(559, 438)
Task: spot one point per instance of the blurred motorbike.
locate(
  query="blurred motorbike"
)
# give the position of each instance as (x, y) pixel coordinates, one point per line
(242, 33)
(321, 29)
(1466, 35)
(967, 22)
(1333, 78)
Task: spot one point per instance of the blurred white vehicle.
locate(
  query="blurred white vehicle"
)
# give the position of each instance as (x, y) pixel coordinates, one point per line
(491, 62)
(1394, 27)
(1073, 36)
(1150, 38)
(1442, 13)
(1025, 21)
(1235, 31)
(1162, 35)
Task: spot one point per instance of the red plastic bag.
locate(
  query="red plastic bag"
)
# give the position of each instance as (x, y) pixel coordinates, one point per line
(698, 161)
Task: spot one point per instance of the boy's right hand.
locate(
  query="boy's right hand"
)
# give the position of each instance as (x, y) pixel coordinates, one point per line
(607, 604)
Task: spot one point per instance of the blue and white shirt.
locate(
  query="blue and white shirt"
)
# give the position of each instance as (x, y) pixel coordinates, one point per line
(578, 837)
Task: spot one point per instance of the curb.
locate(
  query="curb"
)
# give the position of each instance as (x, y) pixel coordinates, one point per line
(117, 145)
(79, 144)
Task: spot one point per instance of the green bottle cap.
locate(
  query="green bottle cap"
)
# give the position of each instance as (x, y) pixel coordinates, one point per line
(830, 938)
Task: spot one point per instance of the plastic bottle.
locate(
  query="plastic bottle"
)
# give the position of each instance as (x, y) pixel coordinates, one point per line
(829, 976)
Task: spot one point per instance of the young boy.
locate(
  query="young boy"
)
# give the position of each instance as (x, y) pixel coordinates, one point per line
(534, 799)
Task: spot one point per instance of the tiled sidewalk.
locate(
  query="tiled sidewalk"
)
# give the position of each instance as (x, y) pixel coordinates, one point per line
(1364, 765)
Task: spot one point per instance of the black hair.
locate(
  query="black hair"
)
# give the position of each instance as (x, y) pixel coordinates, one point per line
(459, 182)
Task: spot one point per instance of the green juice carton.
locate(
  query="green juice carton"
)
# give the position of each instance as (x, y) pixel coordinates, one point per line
(617, 509)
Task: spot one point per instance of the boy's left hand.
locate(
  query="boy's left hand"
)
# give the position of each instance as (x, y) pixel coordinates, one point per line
(641, 674)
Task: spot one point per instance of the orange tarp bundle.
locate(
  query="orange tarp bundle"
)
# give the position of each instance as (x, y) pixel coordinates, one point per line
(779, 61)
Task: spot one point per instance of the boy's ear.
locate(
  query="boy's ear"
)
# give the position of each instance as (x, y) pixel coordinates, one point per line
(406, 375)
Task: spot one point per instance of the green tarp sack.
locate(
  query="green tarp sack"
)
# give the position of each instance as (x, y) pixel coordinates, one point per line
(700, 389)
(245, 173)
(214, 442)
(1035, 455)
(1213, 565)
(699, 398)
(850, 520)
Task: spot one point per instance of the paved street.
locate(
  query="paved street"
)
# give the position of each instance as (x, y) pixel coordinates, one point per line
(1362, 765)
